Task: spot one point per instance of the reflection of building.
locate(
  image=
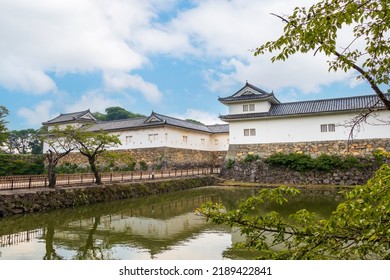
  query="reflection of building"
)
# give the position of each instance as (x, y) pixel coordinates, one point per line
(148, 227)
(20, 237)
(157, 136)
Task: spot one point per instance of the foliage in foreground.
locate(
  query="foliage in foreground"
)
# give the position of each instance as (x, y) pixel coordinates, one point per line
(358, 229)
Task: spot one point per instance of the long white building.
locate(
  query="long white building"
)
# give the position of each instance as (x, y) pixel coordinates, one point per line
(259, 118)
(158, 138)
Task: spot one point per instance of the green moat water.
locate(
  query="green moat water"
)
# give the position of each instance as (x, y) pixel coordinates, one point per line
(156, 227)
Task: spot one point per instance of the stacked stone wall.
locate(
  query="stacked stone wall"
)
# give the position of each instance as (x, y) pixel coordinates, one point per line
(261, 172)
(358, 148)
(162, 157)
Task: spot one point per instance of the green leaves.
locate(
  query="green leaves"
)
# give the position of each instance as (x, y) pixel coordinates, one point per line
(359, 228)
(318, 28)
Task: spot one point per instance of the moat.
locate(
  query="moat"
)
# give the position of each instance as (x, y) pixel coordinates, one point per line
(156, 227)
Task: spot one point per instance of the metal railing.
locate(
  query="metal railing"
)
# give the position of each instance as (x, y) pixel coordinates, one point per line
(41, 181)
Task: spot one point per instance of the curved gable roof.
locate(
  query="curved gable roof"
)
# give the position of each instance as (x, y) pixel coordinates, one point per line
(82, 116)
(249, 93)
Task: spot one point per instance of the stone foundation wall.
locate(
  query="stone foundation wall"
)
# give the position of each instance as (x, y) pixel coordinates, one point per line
(163, 157)
(43, 200)
(359, 148)
(260, 172)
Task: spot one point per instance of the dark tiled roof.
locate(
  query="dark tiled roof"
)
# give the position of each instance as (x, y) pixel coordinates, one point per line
(183, 123)
(259, 95)
(156, 120)
(119, 124)
(313, 107)
(219, 128)
(70, 117)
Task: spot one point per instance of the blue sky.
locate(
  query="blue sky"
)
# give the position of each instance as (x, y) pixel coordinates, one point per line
(174, 57)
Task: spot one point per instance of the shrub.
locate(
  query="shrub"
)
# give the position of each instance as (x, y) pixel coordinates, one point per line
(295, 161)
(229, 163)
(251, 157)
(143, 165)
(328, 162)
(302, 162)
(21, 164)
(69, 168)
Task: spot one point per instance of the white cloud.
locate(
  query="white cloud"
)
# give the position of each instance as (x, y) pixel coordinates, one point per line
(61, 37)
(122, 82)
(38, 114)
(16, 75)
(96, 101)
(226, 31)
(198, 115)
(43, 38)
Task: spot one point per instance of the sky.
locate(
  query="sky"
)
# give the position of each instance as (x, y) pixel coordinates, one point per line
(168, 56)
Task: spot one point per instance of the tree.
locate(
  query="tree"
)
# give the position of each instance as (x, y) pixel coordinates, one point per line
(358, 228)
(25, 141)
(3, 128)
(116, 113)
(92, 144)
(316, 29)
(194, 121)
(60, 142)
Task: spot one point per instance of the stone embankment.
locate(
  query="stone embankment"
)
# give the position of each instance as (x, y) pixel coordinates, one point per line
(260, 172)
(28, 201)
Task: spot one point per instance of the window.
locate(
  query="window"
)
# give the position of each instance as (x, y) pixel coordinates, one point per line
(249, 132)
(153, 137)
(128, 139)
(203, 142)
(328, 127)
(216, 142)
(248, 107)
(185, 139)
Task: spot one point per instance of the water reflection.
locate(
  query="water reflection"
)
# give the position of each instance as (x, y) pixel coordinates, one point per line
(158, 227)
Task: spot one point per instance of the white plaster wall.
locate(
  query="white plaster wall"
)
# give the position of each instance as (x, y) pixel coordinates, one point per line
(305, 128)
(140, 138)
(260, 107)
(220, 142)
(172, 137)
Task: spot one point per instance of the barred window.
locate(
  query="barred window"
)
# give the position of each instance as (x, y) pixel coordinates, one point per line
(328, 127)
(250, 132)
(248, 107)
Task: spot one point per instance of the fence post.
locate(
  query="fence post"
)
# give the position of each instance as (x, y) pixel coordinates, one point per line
(140, 177)
(29, 183)
(45, 182)
(12, 184)
(110, 177)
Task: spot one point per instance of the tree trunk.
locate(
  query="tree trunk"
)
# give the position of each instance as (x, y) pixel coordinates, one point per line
(51, 169)
(95, 171)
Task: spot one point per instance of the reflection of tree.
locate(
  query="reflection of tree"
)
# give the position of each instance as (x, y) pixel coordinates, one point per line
(91, 250)
(49, 238)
